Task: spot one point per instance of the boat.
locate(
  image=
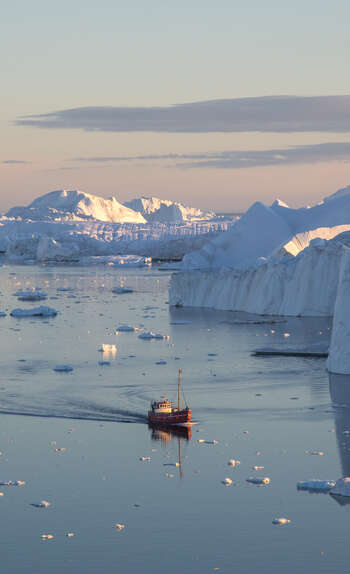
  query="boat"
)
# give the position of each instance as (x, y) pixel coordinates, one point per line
(164, 412)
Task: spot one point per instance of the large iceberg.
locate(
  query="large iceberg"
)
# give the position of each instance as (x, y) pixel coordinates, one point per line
(76, 205)
(275, 260)
(339, 351)
(163, 210)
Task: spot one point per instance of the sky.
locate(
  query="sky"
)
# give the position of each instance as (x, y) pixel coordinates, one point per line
(215, 104)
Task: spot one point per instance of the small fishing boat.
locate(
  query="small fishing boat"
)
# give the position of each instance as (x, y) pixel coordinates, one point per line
(164, 412)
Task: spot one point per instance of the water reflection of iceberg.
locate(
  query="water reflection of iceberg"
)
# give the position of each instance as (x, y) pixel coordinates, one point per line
(339, 387)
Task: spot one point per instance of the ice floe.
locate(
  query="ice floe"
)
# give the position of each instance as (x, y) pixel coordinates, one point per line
(258, 480)
(35, 312)
(107, 348)
(41, 504)
(227, 481)
(233, 462)
(31, 295)
(126, 329)
(281, 521)
(316, 485)
(122, 290)
(63, 368)
(150, 335)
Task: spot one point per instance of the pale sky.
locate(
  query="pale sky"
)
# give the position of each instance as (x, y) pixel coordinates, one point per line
(90, 95)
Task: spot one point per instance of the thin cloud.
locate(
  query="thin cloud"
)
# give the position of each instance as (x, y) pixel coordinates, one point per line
(261, 114)
(16, 162)
(235, 159)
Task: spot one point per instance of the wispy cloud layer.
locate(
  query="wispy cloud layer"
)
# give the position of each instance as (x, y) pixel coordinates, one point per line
(262, 114)
(335, 151)
(16, 162)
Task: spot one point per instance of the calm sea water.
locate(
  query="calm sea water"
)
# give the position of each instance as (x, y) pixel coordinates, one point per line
(271, 412)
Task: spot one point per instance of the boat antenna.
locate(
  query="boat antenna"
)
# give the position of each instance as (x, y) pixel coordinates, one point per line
(178, 389)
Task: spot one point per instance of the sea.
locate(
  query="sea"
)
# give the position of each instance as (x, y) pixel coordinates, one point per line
(79, 439)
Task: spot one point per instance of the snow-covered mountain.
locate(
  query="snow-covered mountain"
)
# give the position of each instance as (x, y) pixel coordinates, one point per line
(163, 210)
(76, 205)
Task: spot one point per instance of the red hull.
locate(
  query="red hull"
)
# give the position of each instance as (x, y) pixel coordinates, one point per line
(175, 418)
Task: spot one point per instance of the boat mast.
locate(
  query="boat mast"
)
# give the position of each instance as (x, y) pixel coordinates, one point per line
(178, 389)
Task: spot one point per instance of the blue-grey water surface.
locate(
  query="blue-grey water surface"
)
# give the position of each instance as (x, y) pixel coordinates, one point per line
(267, 411)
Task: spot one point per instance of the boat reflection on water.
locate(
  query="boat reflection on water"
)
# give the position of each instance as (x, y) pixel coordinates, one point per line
(165, 434)
(339, 388)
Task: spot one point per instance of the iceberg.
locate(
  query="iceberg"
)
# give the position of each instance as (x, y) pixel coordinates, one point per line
(163, 210)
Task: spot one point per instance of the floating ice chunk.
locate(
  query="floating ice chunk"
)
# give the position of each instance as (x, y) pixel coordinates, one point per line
(201, 440)
(120, 526)
(63, 368)
(47, 536)
(104, 363)
(169, 475)
(107, 348)
(69, 534)
(258, 480)
(233, 462)
(315, 452)
(3, 314)
(316, 485)
(181, 322)
(31, 295)
(256, 467)
(171, 464)
(342, 487)
(1, 494)
(161, 363)
(145, 458)
(149, 335)
(286, 335)
(227, 481)
(126, 329)
(281, 521)
(60, 449)
(35, 312)
(12, 483)
(41, 504)
(122, 290)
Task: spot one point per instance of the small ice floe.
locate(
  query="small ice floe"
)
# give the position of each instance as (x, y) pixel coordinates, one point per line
(3, 314)
(60, 449)
(41, 504)
(315, 452)
(120, 526)
(319, 349)
(122, 290)
(1, 494)
(227, 481)
(258, 480)
(69, 534)
(256, 467)
(212, 354)
(316, 485)
(63, 368)
(107, 348)
(149, 335)
(145, 458)
(47, 536)
(161, 363)
(169, 475)
(126, 329)
(342, 487)
(281, 521)
(202, 441)
(233, 462)
(246, 432)
(12, 483)
(35, 312)
(104, 363)
(286, 335)
(180, 322)
(171, 464)
(31, 295)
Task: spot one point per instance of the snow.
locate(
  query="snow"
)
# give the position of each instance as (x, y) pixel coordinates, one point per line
(35, 312)
(339, 352)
